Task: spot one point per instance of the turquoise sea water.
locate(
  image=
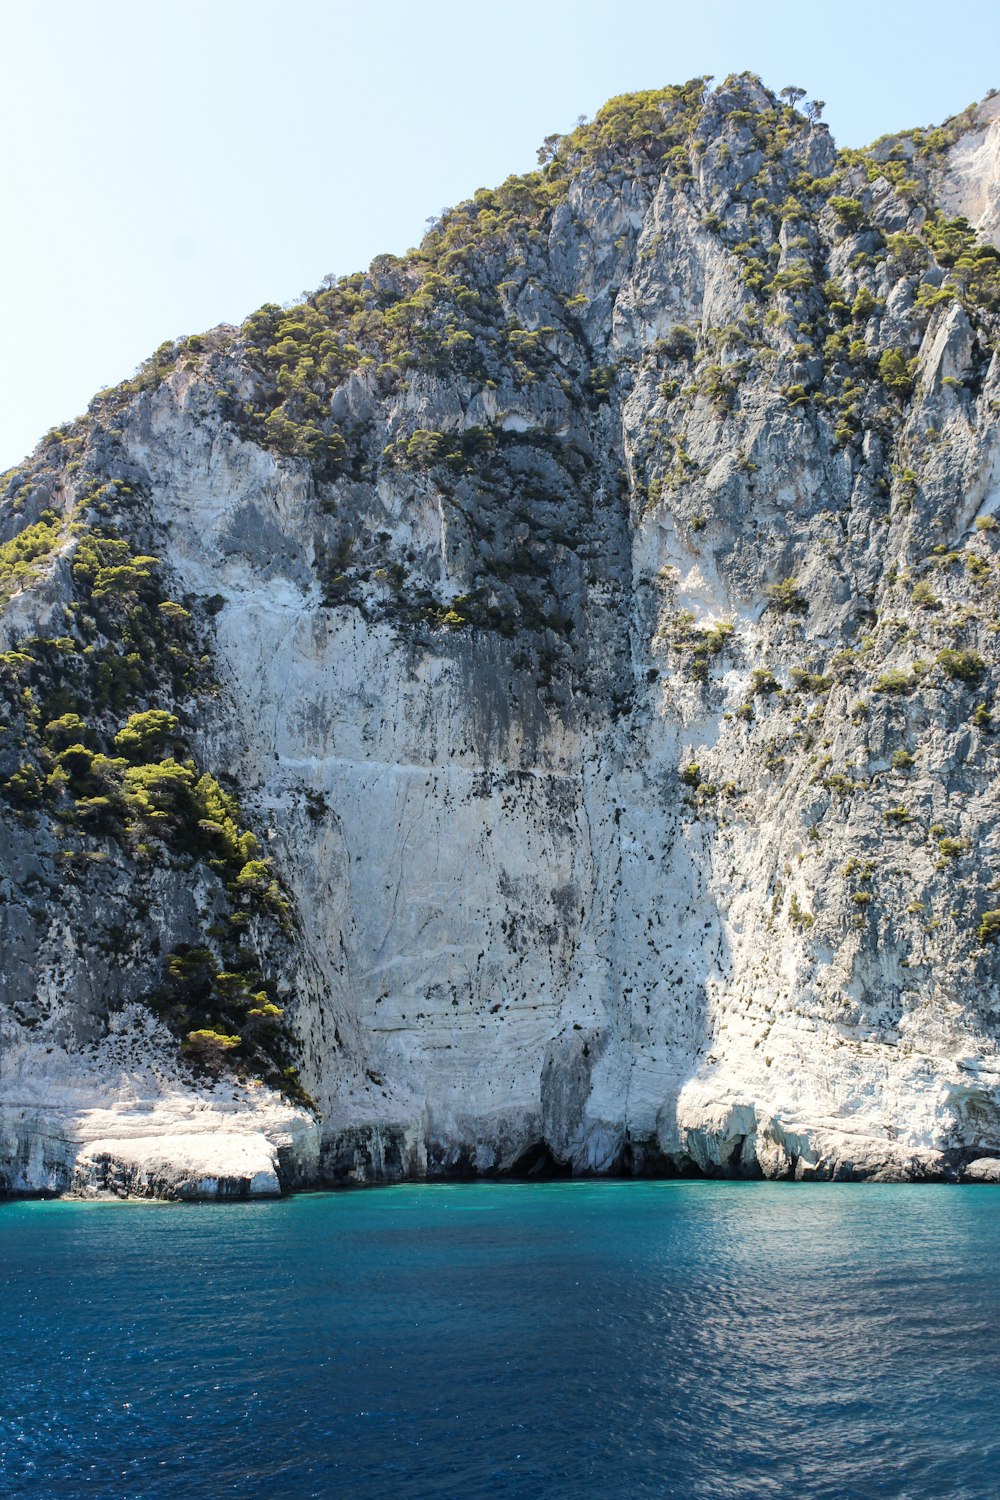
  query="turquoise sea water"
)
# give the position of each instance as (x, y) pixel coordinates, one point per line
(583, 1340)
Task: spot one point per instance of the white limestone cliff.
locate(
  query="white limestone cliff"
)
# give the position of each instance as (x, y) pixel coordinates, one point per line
(611, 917)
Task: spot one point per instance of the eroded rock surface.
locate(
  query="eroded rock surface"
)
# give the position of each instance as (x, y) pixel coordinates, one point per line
(595, 621)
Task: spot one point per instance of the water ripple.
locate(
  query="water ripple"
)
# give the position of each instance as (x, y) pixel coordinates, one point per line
(566, 1341)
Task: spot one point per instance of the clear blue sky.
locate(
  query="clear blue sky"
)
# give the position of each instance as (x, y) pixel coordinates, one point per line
(171, 164)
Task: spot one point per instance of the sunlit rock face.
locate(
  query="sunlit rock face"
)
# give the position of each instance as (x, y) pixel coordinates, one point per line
(596, 615)
(970, 178)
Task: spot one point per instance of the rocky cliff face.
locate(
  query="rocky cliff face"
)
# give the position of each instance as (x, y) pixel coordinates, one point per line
(530, 707)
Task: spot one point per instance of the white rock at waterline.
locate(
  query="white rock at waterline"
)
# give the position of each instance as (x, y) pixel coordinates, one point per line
(218, 1165)
(983, 1169)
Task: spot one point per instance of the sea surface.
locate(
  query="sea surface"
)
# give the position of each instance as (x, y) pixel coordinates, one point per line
(606, 1340)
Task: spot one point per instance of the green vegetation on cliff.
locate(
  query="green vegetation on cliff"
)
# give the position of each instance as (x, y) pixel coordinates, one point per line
(96, 756)
(538, 396)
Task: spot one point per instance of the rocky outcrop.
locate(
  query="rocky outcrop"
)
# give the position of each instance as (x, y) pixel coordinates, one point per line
(178, 1166)
(970, 182)
(595, 621)
(983, 1169)
(115, 1119)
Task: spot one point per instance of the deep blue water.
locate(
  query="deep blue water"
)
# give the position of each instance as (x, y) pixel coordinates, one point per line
(612, 1340)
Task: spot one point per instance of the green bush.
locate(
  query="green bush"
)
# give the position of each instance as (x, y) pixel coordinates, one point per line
(923, 596)
(68, 729)
(961, 666)
(145, 734)
(863, 306)
(160, 791)
(897, 372)
(798, 277)
(763, 681)
(679, 343)
(786, 597)
(848, 210)
(209, 1046)
(25, 787)
(798, 915)
(600, 380)
(899, 815)
(810, 682)
(896, 680)
(989, 927)
(20, 556)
